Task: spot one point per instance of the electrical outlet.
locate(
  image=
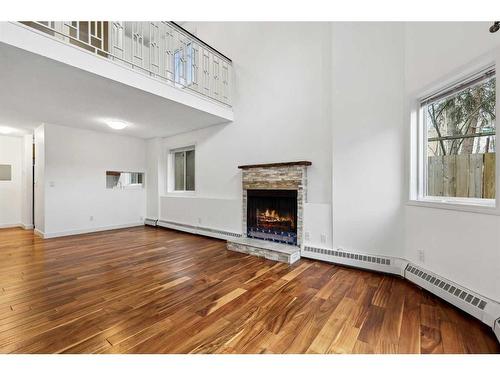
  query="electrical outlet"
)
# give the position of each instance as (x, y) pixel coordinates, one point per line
(307, 236)
(323, 238)
(141, 218)
(91, 218)
(421, 256)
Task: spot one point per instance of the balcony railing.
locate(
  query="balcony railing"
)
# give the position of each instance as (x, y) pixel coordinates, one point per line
(162, 50)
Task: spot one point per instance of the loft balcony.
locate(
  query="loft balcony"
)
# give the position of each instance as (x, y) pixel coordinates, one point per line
(193, 79)
(162, 50)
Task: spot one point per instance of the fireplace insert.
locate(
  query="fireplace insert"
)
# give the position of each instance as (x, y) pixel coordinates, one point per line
(272, 215)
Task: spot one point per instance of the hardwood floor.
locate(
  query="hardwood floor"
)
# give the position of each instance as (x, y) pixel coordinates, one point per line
(147, 290)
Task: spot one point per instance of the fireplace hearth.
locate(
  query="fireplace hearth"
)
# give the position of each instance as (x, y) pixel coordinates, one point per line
(272, 215)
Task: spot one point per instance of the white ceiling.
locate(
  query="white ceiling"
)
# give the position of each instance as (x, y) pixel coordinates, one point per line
(36, 90)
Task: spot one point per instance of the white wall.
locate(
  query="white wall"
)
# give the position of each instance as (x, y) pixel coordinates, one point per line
(282, 113)
(153, 152)
(434, 50)
(215, 213)
(295, 97)
(39, 177)
(367, 116)
(462, 246)
(76, 161)
(11, 152)
(338, 95)
(27, 183)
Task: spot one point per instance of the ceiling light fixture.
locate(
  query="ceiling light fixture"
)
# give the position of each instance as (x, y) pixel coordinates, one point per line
(117, 125)
(6, 130)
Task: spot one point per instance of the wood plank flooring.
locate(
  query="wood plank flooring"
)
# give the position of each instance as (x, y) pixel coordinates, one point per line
(148, 290)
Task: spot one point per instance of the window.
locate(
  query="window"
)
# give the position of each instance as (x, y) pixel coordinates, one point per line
(183, 164)
(124, 180)
(458, 153)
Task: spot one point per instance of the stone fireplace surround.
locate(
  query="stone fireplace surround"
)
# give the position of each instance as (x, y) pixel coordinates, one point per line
(274, 176)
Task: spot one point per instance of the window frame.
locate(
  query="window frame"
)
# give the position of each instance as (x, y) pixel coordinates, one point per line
(172, 154)
(131, 185)
(418, 148)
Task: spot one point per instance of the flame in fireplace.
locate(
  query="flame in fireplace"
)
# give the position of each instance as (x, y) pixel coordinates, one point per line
(272, 217)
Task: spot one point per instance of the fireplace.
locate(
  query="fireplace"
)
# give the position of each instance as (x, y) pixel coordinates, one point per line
(272, 215)
(273, 199)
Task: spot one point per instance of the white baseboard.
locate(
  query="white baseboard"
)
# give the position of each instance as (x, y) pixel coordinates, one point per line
(204, 231)
(152, 222)
(14, 225)
(39, 233)
(86, 230)
(17, 225)
(496, 329)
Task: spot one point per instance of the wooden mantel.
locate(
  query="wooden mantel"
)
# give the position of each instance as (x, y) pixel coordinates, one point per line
(271, 165)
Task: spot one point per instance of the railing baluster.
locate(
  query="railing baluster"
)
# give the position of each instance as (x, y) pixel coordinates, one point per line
(206, 72)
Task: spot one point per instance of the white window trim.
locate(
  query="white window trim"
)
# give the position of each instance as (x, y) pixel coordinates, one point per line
(171, 172)
(418, 143)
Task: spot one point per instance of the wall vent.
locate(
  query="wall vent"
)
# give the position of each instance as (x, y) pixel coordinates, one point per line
(198, 230)
(348, 255)
(454, 290)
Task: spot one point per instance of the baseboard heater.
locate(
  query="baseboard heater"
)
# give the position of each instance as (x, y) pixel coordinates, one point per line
(482, 308)
(204, 231)
(362, 260)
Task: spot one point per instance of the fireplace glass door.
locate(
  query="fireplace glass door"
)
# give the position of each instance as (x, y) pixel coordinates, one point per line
(272, 215)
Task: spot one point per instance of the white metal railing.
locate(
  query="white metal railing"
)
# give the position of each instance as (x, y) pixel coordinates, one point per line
(161, 49)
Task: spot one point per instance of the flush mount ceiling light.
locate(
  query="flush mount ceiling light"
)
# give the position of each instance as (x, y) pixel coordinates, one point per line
(117, 125)
(6, 130)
